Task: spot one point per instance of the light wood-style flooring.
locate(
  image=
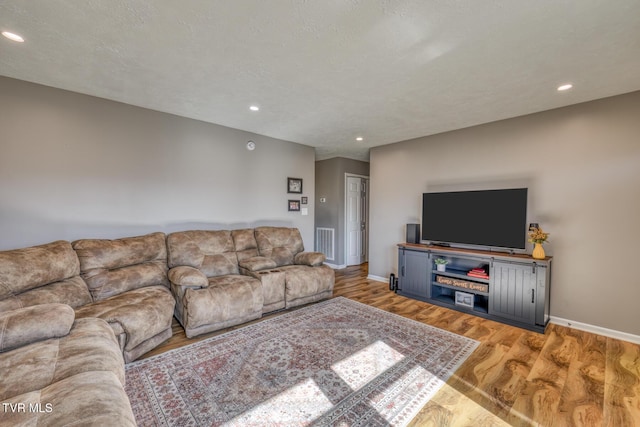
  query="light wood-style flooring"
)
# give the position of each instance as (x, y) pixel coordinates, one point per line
(565, 377)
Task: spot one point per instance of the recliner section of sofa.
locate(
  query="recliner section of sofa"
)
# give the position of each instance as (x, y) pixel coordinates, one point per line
(210, 292)
(128, 281)
(306, 278)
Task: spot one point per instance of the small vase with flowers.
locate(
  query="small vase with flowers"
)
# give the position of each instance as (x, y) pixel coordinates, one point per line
(538, 237)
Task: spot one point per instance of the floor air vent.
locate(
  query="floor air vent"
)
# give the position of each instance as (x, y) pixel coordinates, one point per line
(325, 242)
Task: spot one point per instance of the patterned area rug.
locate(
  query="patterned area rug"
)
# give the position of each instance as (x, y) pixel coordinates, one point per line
(337, 362)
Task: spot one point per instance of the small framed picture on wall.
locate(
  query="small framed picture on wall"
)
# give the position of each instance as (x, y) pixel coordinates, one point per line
(294, 185)
(304, 200)
(294, 205)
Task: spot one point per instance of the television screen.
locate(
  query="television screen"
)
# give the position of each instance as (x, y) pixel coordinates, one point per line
(488, 218)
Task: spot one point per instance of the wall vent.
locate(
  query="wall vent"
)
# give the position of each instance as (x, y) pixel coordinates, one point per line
(325, 242)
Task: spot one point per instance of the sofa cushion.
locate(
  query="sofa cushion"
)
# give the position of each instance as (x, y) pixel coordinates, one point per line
(140, 313)
(36, 323)
(111, 267)
(72, 292)
(210, 251)
(89, 346)
(281, 244)
(41, 274)
(245, 244)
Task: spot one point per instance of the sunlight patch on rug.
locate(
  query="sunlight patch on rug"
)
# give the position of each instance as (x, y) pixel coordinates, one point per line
(363, 366)
(302, 401)
(337, 362)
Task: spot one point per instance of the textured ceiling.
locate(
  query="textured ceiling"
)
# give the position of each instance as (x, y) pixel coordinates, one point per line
(326, 71)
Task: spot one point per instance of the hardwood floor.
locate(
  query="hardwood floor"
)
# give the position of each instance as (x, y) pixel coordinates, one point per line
(565, 377)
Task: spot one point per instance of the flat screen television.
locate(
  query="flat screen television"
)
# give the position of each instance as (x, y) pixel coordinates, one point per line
(488, 219)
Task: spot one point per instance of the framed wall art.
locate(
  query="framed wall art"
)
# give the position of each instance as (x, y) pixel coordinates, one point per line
(294, 205)
(294, 185)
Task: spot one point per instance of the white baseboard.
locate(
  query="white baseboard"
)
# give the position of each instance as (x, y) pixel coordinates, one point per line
(335, 267)
(378, 278)
(624, 336)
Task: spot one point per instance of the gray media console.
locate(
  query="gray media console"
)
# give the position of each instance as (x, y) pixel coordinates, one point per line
(515, 292)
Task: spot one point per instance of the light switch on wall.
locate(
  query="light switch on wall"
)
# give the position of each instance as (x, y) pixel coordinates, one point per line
(304, 211)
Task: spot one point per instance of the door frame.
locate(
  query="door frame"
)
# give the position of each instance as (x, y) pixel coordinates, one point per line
(346, 217)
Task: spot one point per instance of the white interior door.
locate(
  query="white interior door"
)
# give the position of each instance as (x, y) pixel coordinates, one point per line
(356, 220)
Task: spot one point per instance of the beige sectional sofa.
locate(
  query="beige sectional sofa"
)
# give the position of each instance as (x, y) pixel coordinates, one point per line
(72, 314)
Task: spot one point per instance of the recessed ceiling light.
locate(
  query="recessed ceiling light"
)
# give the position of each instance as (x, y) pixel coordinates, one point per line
(254, 108)
(12, 36)
(565, 87)
(359, 138)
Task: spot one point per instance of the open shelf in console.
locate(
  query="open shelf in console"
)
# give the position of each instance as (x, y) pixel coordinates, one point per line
(447, 295)
(454, 287)
(460, 274)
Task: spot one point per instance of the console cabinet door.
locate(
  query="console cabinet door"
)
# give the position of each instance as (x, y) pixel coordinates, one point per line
(413, 270)
(512, 292)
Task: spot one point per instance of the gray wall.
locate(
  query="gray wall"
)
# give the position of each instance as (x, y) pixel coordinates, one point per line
(582, 166)
(74, 166)
(330, 184)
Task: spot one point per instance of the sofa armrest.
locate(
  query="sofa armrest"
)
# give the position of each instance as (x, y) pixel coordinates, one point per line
(257, 263)
(188, 277)
(35, 323)
(313, 259)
